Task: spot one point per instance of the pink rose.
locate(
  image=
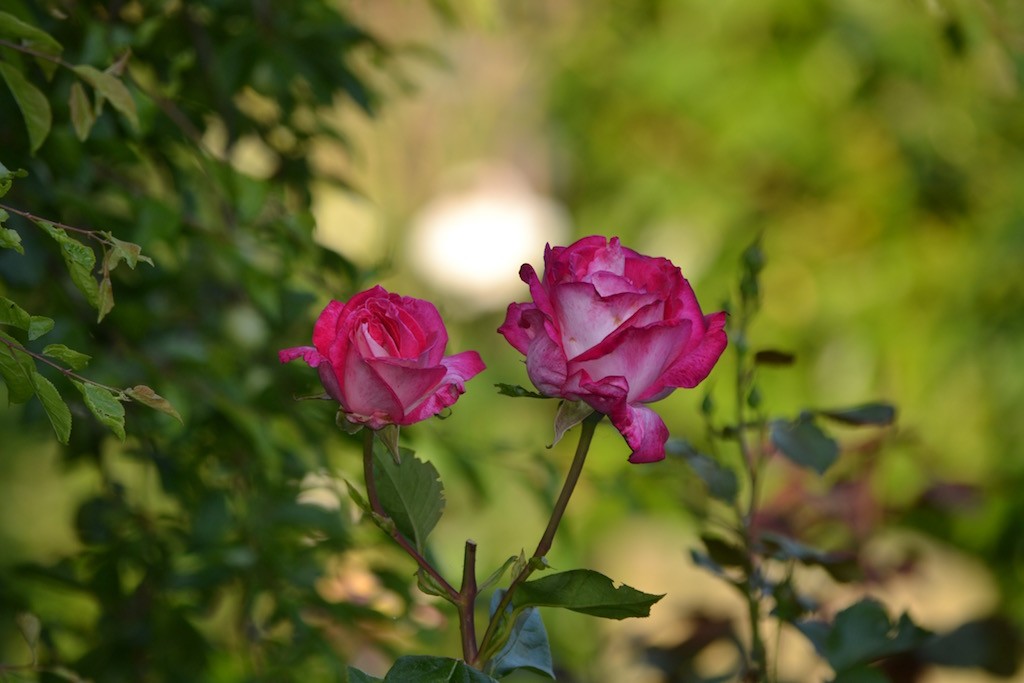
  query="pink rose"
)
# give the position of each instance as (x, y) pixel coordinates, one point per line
(615, 329)
(381, 356)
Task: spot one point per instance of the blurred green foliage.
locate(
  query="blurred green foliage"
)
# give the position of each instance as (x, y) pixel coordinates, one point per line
(193, 555)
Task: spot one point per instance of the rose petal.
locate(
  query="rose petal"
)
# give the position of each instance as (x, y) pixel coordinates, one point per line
(364, 392)
(463, 366)
(515, 330)
(326, 328)
(431, 337)
(694, 366)
(603, 395)
(307, 353)
(644, 431)
(585, 318)
(410, 386)
(545, 360)
(330, 382)
(640, 354)
(460, 368)
(537, 290)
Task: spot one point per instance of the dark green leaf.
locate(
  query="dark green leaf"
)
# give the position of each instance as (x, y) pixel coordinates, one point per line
(17, 369)
(724, 553)
(110, 87)
(35, 108)
(73, 359)
(38, 326)
(704, 561)
(527, 646)
(989, 644)
(585, 591)
(104, 405)
(411, 493)
(863, 633)
(29, 36)
(720, 480)
(426, 669)
(14, 315)
(82, 115)
(150, 398)
(861, 674)
(774, 357)
(56, 409)
(517, 391)
(9, 238)
(877, 413)
(357, 676)
(804, 443)
(842, 566)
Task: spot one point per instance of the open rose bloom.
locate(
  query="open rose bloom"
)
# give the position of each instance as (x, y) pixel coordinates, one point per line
(381, 356)
(616, 330)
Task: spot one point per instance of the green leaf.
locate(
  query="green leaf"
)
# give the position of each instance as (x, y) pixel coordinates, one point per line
(427, 669)
(6, 176)
(724, 553)
(79, 259)
(112, 88)
(877, 413)
(862, 633)
(38, 326)
(104, 405)
(82, 115)
(842, 566)
(9, 238)
(517, 391)
(106, 297)
(570, 414)
(17, 369)
(31, 37)
(39, 40)
(150, 398)
(35, 109)
(585, 591)
(527, 646)
(73, 359)
(802, 442)
(120, 250)
(411, 493)
(861, 674)
(497, 573)
(720, 480)
(56, 409)
(774, 357)
(13, 314)
(357, 676)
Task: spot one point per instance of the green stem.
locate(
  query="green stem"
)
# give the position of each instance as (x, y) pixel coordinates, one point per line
(757, 665)
(488, 646)
(402, 541)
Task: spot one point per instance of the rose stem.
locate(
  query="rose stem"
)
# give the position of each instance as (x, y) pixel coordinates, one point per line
(586, 435)
(378, 509)
(467, 604)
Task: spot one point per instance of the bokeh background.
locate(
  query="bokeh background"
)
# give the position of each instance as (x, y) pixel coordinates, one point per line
(876, 147)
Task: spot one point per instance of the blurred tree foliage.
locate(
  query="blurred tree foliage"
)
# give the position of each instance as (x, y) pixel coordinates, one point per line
(195, 559)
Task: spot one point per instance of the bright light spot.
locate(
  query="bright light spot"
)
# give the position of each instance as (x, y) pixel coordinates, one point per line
(469, 243)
